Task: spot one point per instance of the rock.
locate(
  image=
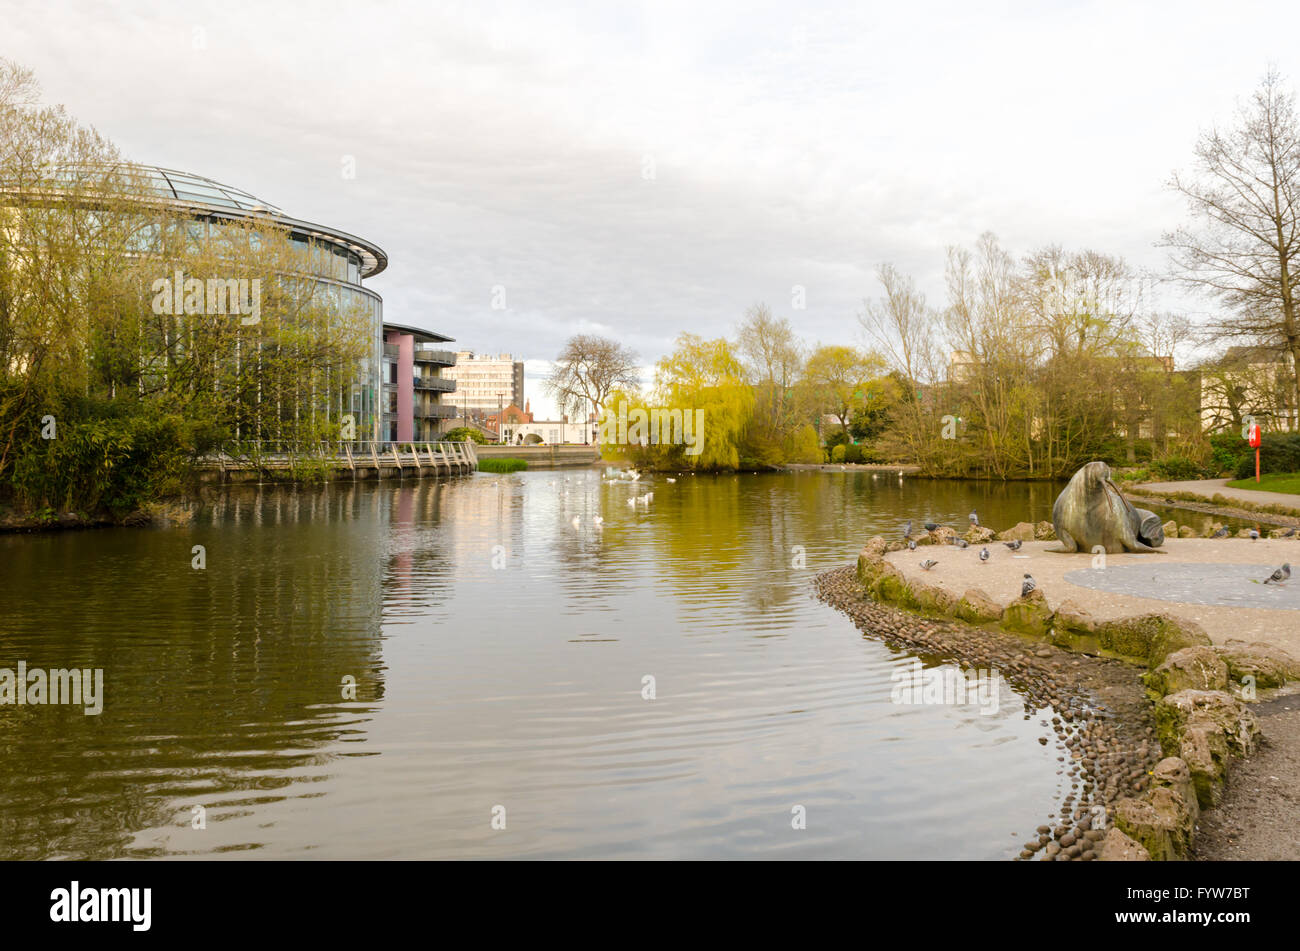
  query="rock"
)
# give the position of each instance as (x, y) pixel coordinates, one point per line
(977, 607)
(943, 535)
(1206, 728)
(1270, 666)
(1148, 639)
(1186, 531)
(1173, 773)
(1028, 614)
(1074, 629)
(979, 535)
(1044, 531)
(1118, 847)
(1024, 531)
(1192, 668)
(873, 548)
(933, 600)
(1171, 529)
(1156, 828)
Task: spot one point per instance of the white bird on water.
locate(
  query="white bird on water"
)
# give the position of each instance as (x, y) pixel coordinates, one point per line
(575, 522)
(672, 480)
(598, 521)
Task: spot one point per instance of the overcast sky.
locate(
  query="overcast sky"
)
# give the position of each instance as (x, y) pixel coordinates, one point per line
(641, 169)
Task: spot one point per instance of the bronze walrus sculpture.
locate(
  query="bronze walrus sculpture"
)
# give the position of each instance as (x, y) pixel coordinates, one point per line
(1091, 512)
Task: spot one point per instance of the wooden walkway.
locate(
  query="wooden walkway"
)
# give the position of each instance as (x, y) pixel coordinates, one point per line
(370, 461)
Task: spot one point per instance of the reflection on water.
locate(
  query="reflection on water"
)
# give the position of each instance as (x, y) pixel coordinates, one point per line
(500, 656)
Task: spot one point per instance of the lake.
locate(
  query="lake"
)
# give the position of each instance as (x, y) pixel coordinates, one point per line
(501, 658)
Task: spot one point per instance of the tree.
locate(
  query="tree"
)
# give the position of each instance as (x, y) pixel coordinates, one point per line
(588, 370)
(773, 358)
(841, 378)
(1245, 249)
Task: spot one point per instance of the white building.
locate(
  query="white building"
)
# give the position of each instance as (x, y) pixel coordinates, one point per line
(485, 383)
(551, 432)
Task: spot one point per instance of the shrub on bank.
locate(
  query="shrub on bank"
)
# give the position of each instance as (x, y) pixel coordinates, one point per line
(462, 433)
(506, 464)
(1279, 452)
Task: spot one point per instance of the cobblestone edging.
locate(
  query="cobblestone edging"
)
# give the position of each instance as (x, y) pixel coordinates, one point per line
(1146, 751)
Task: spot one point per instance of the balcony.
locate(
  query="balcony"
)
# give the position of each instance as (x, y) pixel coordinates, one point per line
(442, 358)
(392, 350)
(435, 384)
(435, 411)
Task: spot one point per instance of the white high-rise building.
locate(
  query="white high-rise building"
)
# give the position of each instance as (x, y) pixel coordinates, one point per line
(485, 383)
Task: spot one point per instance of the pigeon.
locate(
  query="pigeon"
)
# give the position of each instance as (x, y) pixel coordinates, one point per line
(1254, 535)
(930, 526)
(911, 544)
(1014, 545)
(1029, 585)
(984, 554)
(1288, 533)
(928, 564)
(1282, 574)
(961, 543)
(907, 529)
(974, 518)
(1221, 533)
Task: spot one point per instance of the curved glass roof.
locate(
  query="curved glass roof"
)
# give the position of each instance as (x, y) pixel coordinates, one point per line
(186, 187)
(198, 192)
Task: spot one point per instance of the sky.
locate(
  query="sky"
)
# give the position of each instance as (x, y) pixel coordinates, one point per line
(642, 169)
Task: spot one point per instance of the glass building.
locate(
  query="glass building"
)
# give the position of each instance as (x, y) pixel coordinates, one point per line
(338, 263)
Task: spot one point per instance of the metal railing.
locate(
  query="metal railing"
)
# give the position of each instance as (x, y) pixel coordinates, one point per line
(276, 455)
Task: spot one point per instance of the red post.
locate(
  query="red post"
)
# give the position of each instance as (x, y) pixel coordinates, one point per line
(1255, 439)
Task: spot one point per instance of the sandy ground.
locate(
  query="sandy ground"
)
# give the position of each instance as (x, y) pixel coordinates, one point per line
(959, 570)
(1211, 487)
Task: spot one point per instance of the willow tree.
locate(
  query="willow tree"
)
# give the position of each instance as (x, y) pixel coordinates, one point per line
(708, 376)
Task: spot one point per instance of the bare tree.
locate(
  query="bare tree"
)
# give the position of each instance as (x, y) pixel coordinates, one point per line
(1245, 193)
(589, 369)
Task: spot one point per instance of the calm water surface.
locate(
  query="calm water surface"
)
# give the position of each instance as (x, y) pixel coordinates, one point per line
(499, 656)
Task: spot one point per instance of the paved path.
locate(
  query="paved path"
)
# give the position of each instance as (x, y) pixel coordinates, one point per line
(1208, 488)
(1256, 613)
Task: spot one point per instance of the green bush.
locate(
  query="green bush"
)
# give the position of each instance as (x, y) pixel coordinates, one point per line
(837, 453)
(853, 453)
(462, 433)
(1227, 450)
(1177, 469)
(1279, 452)
(506, 464)
(111, 465)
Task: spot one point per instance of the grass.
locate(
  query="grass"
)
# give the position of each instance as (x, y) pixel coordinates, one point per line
(506, 464)
(1274, 482)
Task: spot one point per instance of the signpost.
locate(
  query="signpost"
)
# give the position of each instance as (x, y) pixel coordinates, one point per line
(1254, 439)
